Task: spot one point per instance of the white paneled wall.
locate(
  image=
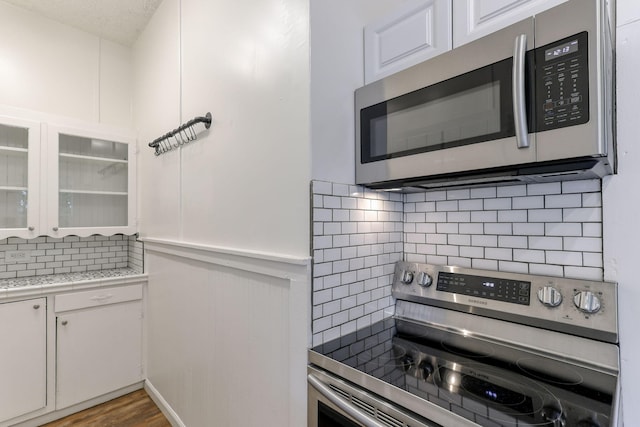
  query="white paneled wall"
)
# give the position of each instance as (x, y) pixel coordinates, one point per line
(56, 69)
(227, 346)
(621, 204)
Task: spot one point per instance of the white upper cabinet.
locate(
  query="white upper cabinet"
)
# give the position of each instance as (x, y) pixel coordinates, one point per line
(61, 180)
(416, 31)
(19, 177)
(473, 19)
(91, 182)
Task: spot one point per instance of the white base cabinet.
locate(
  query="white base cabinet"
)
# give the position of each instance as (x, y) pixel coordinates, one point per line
(98, 343)
(23, 359)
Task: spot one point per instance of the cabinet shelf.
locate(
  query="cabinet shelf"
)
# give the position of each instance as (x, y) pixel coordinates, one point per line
(14, 149)
(99, 193)
(8, 188)
(93, 158)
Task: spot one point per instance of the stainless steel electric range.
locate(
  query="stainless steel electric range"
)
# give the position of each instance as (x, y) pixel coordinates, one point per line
(470, 347)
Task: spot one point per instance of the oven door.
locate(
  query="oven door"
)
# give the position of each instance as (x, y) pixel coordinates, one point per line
(464, 111)
(336, 403)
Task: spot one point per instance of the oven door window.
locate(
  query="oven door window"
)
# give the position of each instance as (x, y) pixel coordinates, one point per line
(467, 109)
(327, 417)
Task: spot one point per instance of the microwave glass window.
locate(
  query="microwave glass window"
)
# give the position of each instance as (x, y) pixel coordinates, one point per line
(467, 109)
(463, 115)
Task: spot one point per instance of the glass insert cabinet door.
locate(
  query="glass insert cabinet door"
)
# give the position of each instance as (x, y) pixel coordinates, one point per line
(19, 177)
(92, 182)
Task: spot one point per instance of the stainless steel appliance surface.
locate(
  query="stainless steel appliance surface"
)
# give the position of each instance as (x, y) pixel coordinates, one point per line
(473, 347)
(532, 102)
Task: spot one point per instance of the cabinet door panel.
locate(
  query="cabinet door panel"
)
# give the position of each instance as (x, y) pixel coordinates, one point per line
(23, 370)
(473, 19)
(99, 350)
(91, 188)
(19, 177)
(419, 30)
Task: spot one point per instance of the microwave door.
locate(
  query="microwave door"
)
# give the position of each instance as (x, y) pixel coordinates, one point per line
(453, 114)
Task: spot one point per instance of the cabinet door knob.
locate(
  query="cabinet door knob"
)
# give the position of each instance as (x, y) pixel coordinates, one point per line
(31, 228)
(36, 306)
(55, 228)
(64, 323)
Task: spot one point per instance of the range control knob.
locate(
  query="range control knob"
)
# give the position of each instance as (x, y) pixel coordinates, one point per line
(549, 296)
(424, 279)
(587, 301)
(406, 277)
(426, 369)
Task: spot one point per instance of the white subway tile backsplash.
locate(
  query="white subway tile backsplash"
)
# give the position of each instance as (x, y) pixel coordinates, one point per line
(435, 195)
(528, 229)
(544, 215)
(563, 201)
(484, 216)
(585, 273)
(484, 241)
(483, 193)
(47, 255)
(512, 241)
(581, 186)
(511, 191)
(529, 202)
(583, 244)
(564, 258)
(582, 215)
(550, 229)
(447, 206)
(512, 216)
(546, 188)
(562, 229)
(592, 229)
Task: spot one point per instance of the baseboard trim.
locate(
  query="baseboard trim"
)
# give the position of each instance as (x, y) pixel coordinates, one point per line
(164, 406)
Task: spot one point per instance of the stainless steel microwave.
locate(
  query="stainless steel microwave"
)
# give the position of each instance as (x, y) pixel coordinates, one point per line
(531, 102)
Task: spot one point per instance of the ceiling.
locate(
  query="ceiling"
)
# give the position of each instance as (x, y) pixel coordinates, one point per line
(120, 21)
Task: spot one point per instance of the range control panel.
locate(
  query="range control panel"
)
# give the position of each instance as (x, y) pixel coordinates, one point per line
(581, 307)
(562, 83)
(513, 291)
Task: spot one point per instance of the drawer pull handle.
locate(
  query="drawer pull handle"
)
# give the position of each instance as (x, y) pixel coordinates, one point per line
(101, 297)
(36, 306)
(64, 322)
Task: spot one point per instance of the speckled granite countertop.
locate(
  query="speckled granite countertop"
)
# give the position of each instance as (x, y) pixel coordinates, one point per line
(68, 278)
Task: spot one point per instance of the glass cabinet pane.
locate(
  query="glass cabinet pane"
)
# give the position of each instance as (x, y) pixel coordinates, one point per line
(93, 182)
(14, 170)
(93, 210)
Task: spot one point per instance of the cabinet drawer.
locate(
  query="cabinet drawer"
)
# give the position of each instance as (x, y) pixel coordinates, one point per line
(97, 297)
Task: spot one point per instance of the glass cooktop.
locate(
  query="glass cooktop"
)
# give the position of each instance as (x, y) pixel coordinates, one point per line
(485, 382)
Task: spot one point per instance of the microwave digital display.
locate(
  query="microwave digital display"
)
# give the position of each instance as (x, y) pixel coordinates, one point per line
(558, 51)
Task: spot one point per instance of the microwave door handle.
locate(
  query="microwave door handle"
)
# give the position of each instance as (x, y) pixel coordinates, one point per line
(348, 408)
(519, 97)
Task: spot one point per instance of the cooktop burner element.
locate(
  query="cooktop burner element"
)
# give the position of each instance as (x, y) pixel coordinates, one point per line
(463, 341)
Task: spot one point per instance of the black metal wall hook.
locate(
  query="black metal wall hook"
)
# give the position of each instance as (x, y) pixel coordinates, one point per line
(183, 134)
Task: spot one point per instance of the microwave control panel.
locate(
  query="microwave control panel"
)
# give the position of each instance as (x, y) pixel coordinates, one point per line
(562, 83)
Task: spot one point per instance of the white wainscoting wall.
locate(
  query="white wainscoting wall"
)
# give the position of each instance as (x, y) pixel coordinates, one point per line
(230, 335)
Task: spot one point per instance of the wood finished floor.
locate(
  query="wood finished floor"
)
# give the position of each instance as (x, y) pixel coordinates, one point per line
(131, 410)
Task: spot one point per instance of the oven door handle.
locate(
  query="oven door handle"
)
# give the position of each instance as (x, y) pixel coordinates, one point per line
(519, 96)
(349, 409)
